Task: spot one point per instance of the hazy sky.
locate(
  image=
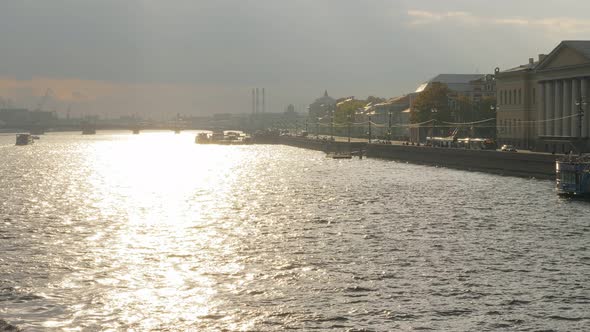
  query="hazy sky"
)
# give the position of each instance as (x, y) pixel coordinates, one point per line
(114, 57)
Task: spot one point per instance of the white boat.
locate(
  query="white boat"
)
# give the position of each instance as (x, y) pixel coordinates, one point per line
(230, 137)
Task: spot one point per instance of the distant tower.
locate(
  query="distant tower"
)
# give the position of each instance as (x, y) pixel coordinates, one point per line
(263, 105)
(253, 100)
(257, 100)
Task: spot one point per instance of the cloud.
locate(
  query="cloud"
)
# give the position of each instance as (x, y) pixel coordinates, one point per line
(554, 25)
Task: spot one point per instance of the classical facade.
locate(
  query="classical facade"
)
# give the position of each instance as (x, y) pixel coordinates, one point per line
(540, 103)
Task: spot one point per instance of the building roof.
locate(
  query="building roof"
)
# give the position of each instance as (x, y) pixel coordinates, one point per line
(527, 66)
(453, 81)
(325, 99)
(455, 78)
(582, 46)
(395, 100)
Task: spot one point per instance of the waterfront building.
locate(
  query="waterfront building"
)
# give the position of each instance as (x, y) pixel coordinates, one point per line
(322, 107)
(482, 87)
(539, 103)
(472, 86)
(516, 105)
(394, 111)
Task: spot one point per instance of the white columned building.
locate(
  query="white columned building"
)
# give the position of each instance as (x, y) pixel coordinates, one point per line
(552, 87)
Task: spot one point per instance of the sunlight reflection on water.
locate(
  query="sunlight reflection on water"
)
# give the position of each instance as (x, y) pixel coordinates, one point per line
(153, 232)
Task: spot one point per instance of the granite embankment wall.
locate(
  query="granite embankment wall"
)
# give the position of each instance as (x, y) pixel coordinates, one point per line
(322, 145)
(537, 165)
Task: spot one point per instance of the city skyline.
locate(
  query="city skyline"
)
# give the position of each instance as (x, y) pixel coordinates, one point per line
(202, 58)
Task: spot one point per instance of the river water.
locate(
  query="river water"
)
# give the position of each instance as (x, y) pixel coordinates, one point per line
(153, 232)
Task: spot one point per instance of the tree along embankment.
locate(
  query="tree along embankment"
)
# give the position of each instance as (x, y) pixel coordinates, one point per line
(535, 165)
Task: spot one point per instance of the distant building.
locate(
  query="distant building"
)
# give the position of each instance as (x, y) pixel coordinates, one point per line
(394, 111)
(537, 101)
(516, 105)
(15, 117)
(322, 107)
(473, 86)
(482, 87)
(469, 85)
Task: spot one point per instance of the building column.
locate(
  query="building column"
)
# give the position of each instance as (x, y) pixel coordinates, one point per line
(575, 98)
(549, 107)
(558, 103)
(541, 109)
(584, 93)
(567, 108)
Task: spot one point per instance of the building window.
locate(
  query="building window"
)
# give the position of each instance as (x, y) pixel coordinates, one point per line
(519, 96)
(534, 96)
(510, 97)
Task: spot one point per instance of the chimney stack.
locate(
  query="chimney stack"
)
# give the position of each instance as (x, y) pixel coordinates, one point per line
(257, 100)
(531, 61)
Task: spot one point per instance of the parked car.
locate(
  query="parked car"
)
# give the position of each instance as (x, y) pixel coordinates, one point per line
(508, 148)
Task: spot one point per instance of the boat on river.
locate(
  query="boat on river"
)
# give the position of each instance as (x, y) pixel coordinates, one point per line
(228, 137)
(339, 155)
(203, 138)
(24, 139)
(572, 175)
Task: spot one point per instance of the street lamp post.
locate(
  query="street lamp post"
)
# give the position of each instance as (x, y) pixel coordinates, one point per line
(348, 122)
(317, 128)
(331, 124)
(389, 130)
(434, 111)
(495, 108)
(369, 129)
(581, 103)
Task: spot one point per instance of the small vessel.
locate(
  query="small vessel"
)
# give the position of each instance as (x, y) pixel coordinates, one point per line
(572, 175)
(24, 139)
(232, 137)
(88, 131)
(203, 138)
(339, 155)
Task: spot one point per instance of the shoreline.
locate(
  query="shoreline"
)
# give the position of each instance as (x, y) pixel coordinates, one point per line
(528, 165)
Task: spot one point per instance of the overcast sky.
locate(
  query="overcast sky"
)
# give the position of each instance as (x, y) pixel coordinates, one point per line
(113, 57)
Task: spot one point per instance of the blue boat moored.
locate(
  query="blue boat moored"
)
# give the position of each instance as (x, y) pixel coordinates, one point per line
(572, 175)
